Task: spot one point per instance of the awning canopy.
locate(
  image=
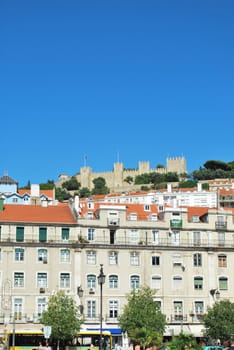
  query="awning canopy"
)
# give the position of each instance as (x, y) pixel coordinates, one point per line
(116, 331)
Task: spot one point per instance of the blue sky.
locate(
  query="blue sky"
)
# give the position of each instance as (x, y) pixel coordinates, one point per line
(114, 80)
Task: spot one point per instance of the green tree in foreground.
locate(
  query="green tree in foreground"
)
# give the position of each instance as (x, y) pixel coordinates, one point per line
(218, 321)
(63, 317)
(142, 318)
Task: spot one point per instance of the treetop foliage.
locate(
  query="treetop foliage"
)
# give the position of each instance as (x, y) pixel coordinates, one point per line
(142, 318)
(218, 321)
(62, 315)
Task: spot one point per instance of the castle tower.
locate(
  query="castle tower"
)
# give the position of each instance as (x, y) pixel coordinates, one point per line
(143, 167)
(176, 165)
(85, 177)
(118, 175)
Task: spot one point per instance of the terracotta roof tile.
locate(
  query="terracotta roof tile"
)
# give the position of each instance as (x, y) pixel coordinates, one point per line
(37, 214)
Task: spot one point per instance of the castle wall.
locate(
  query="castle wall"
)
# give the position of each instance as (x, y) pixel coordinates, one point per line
(115, 179)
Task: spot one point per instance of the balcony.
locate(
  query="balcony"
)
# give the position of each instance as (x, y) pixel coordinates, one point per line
(197, 317)
(178, 318)
(18, 317)
(176, 223)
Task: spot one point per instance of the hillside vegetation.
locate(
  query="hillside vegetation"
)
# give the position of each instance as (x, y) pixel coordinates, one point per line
(212, 169)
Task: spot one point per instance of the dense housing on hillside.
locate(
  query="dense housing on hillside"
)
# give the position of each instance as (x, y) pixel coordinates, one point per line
(185, 253)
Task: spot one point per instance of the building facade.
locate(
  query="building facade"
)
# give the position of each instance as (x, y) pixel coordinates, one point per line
(185, 254)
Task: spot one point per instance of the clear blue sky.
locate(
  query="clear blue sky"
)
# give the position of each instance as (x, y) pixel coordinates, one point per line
(114, 80)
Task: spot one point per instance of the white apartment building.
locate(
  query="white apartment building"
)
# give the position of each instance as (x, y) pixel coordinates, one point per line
(185, 254)
(173, 196)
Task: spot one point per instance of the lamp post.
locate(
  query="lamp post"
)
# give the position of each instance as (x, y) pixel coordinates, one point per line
(80, 294)
(215, 293)
(101, 281)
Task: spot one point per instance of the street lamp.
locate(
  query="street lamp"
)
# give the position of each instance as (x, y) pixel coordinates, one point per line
(215, 293)
(80, 293)
(101, 281)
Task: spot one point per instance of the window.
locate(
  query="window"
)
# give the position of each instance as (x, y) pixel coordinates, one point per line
(42, 234)
(135, 281)
(19, 254)
(175, 237)
(19, 279)
(91, 309)
(177, 282)
(197, 238)
(155, 260)
(197, 259)
(222, 260)
(65, 255)
(221, 238)
(113, 218)
(134, 236)
(132, 217)
(178, 310)
(91, 281)
(65, 234)
(113, 281)
(147, 207)
(158, 305)
(198, 282)
(199, 307)
(91, 257)
(18, 308)
(89, 215)
(134, 258)
(153, 217)
(155, 237)
(91, 234)
(195, 218)
(90, 205)
(19, 234)
(41, 280)
(223, 283)
(113, 258)
(113, 308)
(156, 282)
(64, 280)
(42, 255)
(41, 306)
(177, 260)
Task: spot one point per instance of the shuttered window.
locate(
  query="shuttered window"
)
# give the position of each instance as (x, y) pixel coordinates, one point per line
(42, 234)
(65, 233)
(19, 234)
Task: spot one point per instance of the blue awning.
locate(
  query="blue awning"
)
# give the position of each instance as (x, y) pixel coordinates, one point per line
(112, 330)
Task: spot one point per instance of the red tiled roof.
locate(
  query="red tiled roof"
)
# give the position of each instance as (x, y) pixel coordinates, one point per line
(37, 214)
(138, 208)
(47, 193)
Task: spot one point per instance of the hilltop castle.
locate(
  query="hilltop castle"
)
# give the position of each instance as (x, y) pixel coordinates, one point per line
(115, 180)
